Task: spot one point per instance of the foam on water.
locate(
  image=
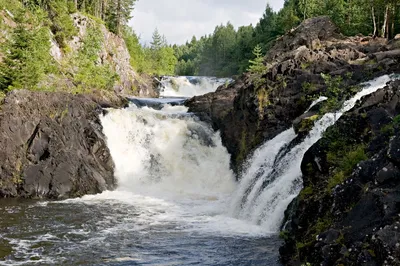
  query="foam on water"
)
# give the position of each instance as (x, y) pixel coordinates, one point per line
(173, 169)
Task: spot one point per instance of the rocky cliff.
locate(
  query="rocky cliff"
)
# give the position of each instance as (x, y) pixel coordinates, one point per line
(348, 212)
(52, 145)
(114, 53)
(81, 60)
(311, 60)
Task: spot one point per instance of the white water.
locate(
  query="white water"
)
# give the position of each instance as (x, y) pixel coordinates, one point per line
(177, 201)
(272, 180)
(190, 86)
(174, 169)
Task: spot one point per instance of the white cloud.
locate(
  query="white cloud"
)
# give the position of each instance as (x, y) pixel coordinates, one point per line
(179, 20)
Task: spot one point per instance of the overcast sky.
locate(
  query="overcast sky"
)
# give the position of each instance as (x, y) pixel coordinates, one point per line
(179, 20)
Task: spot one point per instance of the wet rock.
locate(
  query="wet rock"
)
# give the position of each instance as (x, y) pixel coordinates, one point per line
(52, 145)
(355, 197)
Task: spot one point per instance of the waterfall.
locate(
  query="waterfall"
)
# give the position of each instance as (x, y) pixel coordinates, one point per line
(190, 86)
(175, 169)
(167, 152)
(271, 180)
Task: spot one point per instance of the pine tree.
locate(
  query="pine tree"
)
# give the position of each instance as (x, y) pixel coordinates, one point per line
(257, 65)
(118, 15)
(157, 41)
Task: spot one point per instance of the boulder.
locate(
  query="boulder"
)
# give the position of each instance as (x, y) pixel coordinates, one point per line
(52, 145)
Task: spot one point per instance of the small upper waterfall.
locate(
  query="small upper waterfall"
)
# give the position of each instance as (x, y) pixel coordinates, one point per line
(272, 175)
(190, 86)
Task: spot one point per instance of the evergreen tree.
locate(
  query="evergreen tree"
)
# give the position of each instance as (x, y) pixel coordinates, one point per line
(118, 15)
(257, 65)
(157, 40)
(27, 58)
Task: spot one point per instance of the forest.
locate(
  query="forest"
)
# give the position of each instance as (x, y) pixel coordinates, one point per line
(224, 53)
(227, 51)
(27, 26)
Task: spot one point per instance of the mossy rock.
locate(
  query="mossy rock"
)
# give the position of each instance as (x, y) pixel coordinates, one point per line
(306, 124)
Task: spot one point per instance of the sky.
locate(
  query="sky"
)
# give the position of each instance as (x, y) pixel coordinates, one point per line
(179, 20)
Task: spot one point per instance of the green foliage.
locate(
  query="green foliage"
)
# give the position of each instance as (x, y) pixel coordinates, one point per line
(12, 6)
(333, 91)
(284, 235)
(308, 123)
(62, 24)
(118, 13)
(158, 59)
(227, 52)
(307, 191)
(91, 75)
(322, 225)
(344, 159)
(136, 51)
(396, 120)
(27, 57)
(257, 65)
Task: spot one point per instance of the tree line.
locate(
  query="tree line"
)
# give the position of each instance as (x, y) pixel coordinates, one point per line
(228, 51)
(25, 60)
(115, 13)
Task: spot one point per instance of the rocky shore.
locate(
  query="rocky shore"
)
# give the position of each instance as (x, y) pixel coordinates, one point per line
(52, 145)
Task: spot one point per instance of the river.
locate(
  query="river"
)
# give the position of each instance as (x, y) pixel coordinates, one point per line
(171, 206)
(177, 201)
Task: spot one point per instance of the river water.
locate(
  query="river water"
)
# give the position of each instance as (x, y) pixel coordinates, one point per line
(177, 202)
(171, 206)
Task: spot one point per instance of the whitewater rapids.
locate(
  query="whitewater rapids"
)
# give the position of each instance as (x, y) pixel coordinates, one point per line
(177, 201)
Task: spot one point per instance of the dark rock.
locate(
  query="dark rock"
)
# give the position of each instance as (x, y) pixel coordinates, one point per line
(356, 222)
(52, 145)
(254, 109)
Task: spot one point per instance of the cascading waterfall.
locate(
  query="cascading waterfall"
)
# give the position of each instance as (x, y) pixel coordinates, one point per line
(271, 180)
(190, 86)
(177, 201)
(167, 152)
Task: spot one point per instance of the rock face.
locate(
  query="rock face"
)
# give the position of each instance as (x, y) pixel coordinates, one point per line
(114, 53)
(348, 212)
(258, 107)
(52, 145)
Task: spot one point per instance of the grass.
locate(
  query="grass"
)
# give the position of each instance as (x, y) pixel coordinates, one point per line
(345, 163)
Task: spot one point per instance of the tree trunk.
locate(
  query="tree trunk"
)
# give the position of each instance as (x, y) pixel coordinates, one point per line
(374, 20)
(385, 22)
(104, 6)
(392, 33)
(119, 17)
